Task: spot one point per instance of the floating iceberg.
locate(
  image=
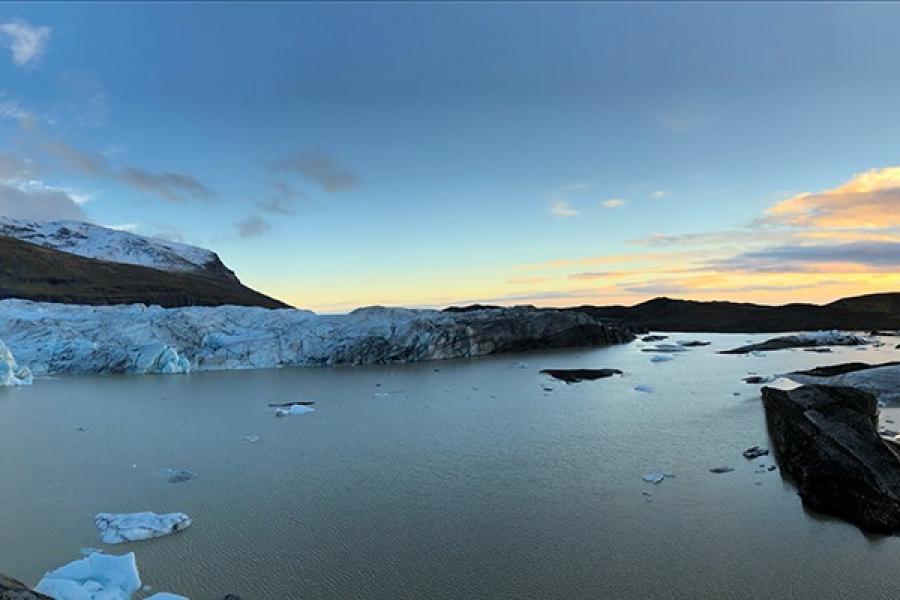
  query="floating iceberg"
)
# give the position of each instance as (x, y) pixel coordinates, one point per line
(10, 372)
(661, 358)
(98, 576)
(646, 389)
(134, 338)
(132, 527)
(294, 409)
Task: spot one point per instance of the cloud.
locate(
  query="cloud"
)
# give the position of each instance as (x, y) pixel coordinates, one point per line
(174, 187)
(170, 186)
(614, 203)
(13, 167)
(659, 194)
(812, 258)
(26, 41)
(252, 226)
(526, 280)
(593, 275)
(38, 202)
(869, 200)
(562, 209)
(320, 168)
(676, 287)
(680, 121)
(282, 199)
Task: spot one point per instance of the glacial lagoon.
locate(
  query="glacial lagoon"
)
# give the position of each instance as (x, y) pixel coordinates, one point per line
(477, 478)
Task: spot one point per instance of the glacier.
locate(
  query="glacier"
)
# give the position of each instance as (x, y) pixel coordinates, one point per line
(10, 372)
(134, 338)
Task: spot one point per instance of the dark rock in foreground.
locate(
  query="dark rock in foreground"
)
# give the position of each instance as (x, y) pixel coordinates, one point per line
(826, 440)
(576, 375)
(13, 589)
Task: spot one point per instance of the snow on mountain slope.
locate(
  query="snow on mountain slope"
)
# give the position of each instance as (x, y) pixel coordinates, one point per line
(94, 241)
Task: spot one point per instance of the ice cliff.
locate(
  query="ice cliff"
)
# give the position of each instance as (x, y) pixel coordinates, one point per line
(10, 372)
(64, 338)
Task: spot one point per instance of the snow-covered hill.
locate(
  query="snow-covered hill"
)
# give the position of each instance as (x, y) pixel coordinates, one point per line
(94, 241)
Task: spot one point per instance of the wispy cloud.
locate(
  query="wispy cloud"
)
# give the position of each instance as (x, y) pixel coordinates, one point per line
(659, 194)
(561, 209)
(319, 168)
(168, 185)
(282, 200)
(614, 203)
(527, 280)
(252, 226)
(26, 41)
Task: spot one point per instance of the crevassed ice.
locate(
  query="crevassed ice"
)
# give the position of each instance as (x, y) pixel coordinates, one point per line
(10, 372)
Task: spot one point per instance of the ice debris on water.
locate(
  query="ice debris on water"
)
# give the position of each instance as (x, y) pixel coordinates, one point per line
(179, 475)
(294, 409)
(97, 577)
(117, 528)
(646, 389)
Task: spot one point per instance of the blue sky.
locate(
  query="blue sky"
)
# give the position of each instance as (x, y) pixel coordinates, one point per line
(400, 153)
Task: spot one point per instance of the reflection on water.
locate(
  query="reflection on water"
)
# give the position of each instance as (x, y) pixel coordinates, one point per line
(457, 479)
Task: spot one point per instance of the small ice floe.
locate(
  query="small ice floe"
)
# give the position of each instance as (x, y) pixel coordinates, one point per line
(294, 409)
(644, 389)
(657, 478)
(661, 358)
(251, 439)
(167, 596)
(654, 478)
(99, 575)
(179, 475)
(754, 452)
(722, 469)
(118, 528)
(665, 348)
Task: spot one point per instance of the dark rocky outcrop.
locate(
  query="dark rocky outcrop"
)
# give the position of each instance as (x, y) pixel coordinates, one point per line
(798, 341)
(860, 313)
(576, 375)
(826, 440)
(13, 589)
(843, 368)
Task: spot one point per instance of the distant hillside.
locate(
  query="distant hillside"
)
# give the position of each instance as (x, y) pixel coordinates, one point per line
(874, 311)
(34, 272)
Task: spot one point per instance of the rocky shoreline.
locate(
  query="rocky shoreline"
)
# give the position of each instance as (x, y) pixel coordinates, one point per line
(827, 441)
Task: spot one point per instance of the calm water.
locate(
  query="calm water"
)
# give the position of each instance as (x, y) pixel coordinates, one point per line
(471, 481)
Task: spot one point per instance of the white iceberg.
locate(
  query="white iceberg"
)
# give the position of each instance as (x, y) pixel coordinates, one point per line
(10, 372)
(96, 577)
(294, 409)
(881, 381)
(118, 528)
(661, 358)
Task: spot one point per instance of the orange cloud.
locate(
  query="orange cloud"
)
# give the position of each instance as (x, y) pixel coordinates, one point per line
(869, 200)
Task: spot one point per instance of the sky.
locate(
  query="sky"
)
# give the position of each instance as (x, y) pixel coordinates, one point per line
(427, 154)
